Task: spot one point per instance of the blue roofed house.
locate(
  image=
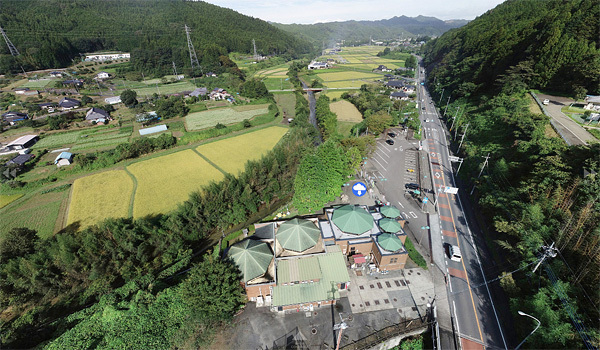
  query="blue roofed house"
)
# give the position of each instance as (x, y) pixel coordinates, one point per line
(64, 158)
(13, 117)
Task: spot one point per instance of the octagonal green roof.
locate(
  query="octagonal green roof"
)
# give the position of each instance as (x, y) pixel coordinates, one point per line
(389, 242)
(298, 235)
(352, 219)
(390, 225)
(389, 211)
(252, 258)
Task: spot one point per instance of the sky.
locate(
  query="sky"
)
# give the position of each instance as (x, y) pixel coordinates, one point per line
(315, 11)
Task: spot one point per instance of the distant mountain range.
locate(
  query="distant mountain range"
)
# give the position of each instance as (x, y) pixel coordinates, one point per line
(381, 30)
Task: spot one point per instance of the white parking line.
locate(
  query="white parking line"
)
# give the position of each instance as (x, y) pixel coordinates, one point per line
(385, 154)
(375, 159)
(383, 149)
(386, 162)
(400, 205)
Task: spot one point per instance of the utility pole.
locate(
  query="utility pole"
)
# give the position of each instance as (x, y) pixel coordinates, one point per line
(174, 69)
(548, 252)
(481, 172)
(339, 326)
(12, 48)
(193, 57)
(442, 95)
(462, 138)
(254, 46)
(459, 165)
(447, 103)
(455, 115)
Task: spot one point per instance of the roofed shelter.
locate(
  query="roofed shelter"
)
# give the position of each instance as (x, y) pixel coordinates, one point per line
(252, 257)
(298, 235)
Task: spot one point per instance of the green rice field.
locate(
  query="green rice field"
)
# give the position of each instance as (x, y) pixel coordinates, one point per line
(38, 84)
(225, 116)
(38, 212)
(86, 139)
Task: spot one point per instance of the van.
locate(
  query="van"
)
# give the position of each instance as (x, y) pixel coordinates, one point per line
(455, 254)
(546, 102)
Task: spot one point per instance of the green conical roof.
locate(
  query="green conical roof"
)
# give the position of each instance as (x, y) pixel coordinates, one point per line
(389, 225)
(298, 235)
(389, 211)
(389, 242)
(252, 258)
(352, 219)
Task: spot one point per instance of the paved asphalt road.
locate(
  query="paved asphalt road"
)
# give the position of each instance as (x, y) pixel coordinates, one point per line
(573, 133)
(476, 317)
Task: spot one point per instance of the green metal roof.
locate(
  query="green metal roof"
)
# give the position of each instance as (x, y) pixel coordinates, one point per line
(389, 242)
(252, 257)
(352, 219)
(301, 269)
(390, 225)
(389, 211)
(298, 235)
(333, 269)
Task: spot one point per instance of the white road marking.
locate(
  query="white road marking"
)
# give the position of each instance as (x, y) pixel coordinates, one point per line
(375, 159)
(400, 205)
(457, 327)
(412, 213)
(404, 216)
(383, 154)
(386, 162)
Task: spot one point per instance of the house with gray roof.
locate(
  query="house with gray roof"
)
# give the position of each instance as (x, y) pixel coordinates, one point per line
(69, 103)
(97, 115)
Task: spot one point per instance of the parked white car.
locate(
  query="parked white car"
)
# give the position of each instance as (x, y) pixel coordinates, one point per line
(546, 102)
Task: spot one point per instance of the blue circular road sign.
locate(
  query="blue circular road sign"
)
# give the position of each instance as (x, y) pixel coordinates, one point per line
(359, 189)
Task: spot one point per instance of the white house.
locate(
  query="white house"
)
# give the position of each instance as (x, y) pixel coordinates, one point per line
(318, 65)
(64, 158)
(102, 75)
(106, 56)
(113, 100)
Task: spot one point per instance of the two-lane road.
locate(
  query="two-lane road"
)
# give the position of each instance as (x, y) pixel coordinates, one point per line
(474, 310)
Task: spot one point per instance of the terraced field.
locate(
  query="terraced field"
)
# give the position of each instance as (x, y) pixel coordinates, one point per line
(346, 111)
(38, 212)
(225, 116)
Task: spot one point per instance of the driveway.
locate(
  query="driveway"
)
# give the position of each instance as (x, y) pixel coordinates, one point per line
(571, 132)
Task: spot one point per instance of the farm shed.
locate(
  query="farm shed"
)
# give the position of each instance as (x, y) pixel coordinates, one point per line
(20, 160)
(152, 130)
(22, 142)
(13, 117)
(113, 100)
(64, 158)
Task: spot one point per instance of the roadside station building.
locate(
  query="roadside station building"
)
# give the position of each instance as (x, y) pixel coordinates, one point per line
(302, 264)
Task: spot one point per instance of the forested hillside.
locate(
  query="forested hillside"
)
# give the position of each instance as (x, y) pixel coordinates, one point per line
(535, 190)
(551, 45)
(362, 31)
(50, 33)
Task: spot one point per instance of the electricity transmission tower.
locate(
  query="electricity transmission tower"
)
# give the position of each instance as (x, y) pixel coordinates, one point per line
(193, 57)
(11, 47)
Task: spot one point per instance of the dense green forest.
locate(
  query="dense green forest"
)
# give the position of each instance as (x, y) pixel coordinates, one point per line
(52, 33)
(536, 190)
(550, 45)
(359, 32)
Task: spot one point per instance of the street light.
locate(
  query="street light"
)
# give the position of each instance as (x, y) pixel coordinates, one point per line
(538, 326)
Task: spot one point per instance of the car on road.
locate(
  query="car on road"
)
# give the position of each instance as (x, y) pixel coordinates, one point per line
(391, 134)
(546, 102)
(389, 142)
(411, 186)
(454, 253)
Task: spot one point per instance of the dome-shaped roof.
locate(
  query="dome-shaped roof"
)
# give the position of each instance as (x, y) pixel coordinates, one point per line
(252, 258)
(390, 225)
(389, 211)
(352, 219)
(389, 242)
(298, 235)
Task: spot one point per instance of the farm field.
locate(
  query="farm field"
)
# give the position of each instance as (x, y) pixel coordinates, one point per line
(335, 93)
(85, 139)
(39, 212)
(38, 84)
(166, 181)
(6, 199)
(343, 128)
(345, 76)
(232, 154)
(277, 83)
(100, 196)
(286, 103)
(346, 111)
(210, 118)
(278, 72)
(165, 89)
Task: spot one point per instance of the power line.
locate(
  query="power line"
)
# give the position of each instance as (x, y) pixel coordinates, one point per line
(13, 50)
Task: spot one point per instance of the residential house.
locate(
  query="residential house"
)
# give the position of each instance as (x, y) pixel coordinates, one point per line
(69, 103)
(113, 100)
(211, 74)
(13, 118)
(20, 160)
(382, 68)
(219, 94)
(102, 75)
(97, 115)
(22, 142)
(318, 65)
(592, 103)
(74, 82)
(56, 74)
(202, 91)
(399, 95)
(20, 91)
(409, 89)
(64, 158)
(394, 84)
(31, 92)
(47, 105)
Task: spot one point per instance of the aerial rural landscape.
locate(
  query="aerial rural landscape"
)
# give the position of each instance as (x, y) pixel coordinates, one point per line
(178, 174)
